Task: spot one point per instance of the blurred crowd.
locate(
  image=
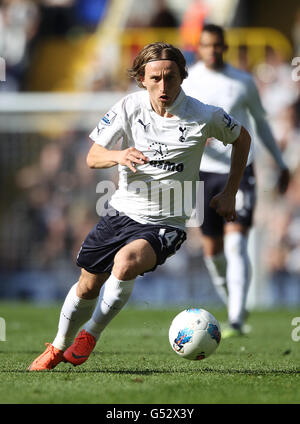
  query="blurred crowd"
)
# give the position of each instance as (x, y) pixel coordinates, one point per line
(54, 205)
(54, 36)
(26, 23)
(278, 217)
(52, 208)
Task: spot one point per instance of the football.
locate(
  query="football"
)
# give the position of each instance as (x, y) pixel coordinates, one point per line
(194, 334)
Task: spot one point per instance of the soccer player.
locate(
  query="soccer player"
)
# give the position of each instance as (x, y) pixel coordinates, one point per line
(215, 82)
(163, 136)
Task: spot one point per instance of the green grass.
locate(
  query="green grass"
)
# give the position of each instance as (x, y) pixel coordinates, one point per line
(133, 362)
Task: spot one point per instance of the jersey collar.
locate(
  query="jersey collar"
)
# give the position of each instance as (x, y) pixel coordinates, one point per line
(175, 106)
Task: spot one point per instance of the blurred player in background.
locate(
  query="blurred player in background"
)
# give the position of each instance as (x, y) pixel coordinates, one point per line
(213, 81)
(164, 133)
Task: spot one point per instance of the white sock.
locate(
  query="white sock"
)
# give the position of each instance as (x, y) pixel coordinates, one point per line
(235, 248)
(216, 266)
(75, 312)
(115, 295)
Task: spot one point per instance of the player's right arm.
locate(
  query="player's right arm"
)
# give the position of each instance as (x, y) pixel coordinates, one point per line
(110, 129)
(224, 202)
(265, 134)
(100, 157)
(225, 128)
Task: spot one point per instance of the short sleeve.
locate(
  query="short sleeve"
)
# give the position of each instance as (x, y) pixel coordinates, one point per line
(110, 128)
(224, 127)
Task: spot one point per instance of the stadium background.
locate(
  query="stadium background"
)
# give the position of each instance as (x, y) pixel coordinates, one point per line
(64, 66)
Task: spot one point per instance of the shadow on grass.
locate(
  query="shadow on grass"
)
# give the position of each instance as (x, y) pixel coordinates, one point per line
(257, 372)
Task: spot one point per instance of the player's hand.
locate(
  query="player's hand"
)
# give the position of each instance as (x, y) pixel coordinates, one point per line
(130, 157)
(224, 204)
(283, 180)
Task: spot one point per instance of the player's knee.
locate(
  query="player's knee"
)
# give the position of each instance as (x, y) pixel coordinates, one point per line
(124, 269)
(89, 285)
(126, 265)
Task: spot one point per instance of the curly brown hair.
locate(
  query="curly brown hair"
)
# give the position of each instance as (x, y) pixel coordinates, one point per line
(157, 51)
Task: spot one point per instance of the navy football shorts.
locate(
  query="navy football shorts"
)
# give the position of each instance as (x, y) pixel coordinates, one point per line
(213, 224)
(98, 250)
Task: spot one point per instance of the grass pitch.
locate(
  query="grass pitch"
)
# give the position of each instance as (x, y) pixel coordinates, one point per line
(134, 364)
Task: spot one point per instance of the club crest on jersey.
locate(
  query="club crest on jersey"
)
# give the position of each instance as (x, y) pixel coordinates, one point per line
(108, 119)
(183, 132)
(229, 121)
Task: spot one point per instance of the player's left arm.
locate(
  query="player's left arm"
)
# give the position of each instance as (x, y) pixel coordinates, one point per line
(224, 202)
(265, 134)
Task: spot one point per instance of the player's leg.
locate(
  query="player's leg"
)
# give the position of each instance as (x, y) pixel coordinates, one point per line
(78, 307)
(215, 262)
(238, 272)
(235, 248)
(131, 260)
(212, 234)
(76, 310)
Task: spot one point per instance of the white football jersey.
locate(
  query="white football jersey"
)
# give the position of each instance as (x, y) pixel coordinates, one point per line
(156, 193)
(234, 91)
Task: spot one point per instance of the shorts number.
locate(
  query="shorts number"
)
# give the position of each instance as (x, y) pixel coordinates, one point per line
(169, 237)
(172, 240)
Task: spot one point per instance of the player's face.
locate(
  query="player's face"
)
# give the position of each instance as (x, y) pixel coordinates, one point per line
(211, 49)
(162, 80)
